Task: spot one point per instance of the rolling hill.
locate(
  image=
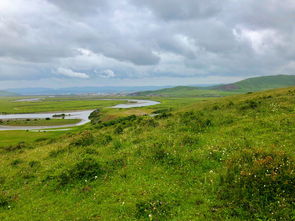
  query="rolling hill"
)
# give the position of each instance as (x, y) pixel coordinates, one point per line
(184, 91)
(247, 85)
(259, 83)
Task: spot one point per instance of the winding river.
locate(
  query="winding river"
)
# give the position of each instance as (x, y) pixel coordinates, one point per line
(82, 115)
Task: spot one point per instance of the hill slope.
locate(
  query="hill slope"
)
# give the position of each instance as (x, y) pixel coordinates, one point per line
(259, 83)
(184, 91)
(225, 159)
(247, 85)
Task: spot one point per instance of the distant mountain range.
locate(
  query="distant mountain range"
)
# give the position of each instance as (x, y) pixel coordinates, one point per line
(7, 93)
(247, 85)
(80, 90)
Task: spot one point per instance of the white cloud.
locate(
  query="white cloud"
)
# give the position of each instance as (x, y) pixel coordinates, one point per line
(70, 73)
(108, 74)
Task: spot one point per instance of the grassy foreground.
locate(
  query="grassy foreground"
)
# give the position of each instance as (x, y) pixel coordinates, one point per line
(224, 159)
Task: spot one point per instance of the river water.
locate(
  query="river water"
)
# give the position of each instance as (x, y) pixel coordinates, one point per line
(82, 115)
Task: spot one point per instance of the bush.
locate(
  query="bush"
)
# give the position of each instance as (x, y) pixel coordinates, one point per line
(123, 121)
(16, 162)
(4, 200)
(261, 183)
(250, 104)
(34, 163)
(116, 164)
(95, 117)
(104, 139)
(88, 169)
(85, 139)
(118, 130)
(189, 140)
(55, 153)
(163, 115)
(19, 146)
(195, 121)
(150, 123)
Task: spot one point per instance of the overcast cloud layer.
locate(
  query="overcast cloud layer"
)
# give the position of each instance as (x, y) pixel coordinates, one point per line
(60, 43)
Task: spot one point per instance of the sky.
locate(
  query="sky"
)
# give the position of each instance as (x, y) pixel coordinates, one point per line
(66, 43)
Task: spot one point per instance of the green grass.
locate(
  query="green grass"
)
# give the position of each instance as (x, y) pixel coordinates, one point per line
(184, 91)
(9, 104)
(247, 85)
(229, 158)
(39, 122)
(265, 83)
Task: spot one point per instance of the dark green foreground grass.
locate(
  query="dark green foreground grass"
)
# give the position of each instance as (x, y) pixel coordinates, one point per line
(225, 159)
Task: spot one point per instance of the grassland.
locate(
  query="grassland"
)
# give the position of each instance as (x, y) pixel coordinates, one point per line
(184, 91)
(38, 122)
(240, 87)
(229, 158)
(8, 105)
(262, 83)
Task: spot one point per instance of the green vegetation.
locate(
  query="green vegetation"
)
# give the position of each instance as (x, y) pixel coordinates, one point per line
(229, 158)
(38, 122)
(184, 91)
(260, 83)
(248, 85)
(8, 105)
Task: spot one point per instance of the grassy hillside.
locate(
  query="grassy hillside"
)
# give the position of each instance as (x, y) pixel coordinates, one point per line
(248, 85)
(260, 83)
(230, 158)
(184, 91)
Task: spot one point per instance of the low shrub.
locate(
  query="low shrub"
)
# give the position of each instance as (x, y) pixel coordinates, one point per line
(116, 164)
(104, 139)
(85, 139)
(250, 104)
(4, 200)
(16, 162)
(19, 146)
(88, 169)
(118, 130)
(261, 183)
(34, 164)
(163, 115)
(55, 153)
(95, 117)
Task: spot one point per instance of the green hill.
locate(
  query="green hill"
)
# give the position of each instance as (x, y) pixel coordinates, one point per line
(230, 158)
(248, 85)
(259, 83)
(184, 91)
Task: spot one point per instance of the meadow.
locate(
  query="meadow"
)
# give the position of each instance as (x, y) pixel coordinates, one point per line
(38, 122)
(229, 158)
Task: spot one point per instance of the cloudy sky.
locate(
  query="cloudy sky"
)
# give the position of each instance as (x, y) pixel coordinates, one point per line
(62, 43)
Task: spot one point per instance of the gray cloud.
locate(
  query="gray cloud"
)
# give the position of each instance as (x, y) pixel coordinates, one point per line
(138, 39)
(188, 9)
(78, 7)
